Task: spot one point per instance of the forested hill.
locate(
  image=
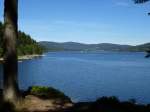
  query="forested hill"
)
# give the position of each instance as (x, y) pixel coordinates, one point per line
(73, 46)
(26, 45)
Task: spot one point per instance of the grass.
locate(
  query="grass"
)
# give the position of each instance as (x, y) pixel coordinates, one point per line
(47, 93)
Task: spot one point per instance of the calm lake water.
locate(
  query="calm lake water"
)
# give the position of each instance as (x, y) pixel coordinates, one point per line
(87, 76)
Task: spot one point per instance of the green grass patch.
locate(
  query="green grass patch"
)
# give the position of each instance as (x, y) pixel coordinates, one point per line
(47, 93)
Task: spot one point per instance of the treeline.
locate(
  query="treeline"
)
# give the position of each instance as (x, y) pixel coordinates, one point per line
(142, 47)
(25, 44)
(74, 46)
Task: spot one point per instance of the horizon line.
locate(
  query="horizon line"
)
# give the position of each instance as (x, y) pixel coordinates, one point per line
(93, 43)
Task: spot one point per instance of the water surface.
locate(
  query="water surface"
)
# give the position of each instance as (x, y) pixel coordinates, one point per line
(87, 76)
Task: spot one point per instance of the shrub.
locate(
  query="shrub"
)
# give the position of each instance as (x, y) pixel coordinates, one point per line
(47, 93)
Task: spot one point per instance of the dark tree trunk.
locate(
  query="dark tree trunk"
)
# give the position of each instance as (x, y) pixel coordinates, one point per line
(11, 89)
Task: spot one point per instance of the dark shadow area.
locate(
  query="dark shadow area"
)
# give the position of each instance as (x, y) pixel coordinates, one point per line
(148, 54)
(5, 106)
(103, 104)
(109, 104)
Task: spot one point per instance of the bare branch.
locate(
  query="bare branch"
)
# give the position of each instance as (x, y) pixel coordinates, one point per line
(140, 1)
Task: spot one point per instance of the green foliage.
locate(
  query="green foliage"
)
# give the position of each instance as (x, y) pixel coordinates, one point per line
(47, 92)
(25, 44)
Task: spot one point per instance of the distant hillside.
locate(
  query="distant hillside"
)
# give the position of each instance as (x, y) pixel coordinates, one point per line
(142, 47)
(26, 45)
(73, 46)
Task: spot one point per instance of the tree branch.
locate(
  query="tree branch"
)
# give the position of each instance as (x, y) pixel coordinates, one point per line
(140, 1)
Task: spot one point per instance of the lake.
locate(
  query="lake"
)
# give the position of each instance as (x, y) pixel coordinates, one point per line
(86, 76)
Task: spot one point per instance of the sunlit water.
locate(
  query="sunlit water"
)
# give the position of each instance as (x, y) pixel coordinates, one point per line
(87, 76)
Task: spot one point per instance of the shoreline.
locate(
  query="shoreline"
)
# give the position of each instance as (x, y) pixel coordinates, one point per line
(26, 57)
(49, 99)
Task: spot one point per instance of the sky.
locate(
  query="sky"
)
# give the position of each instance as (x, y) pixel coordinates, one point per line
(85, 21)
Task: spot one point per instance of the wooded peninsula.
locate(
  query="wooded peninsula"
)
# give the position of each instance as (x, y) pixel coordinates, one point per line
(26, 45)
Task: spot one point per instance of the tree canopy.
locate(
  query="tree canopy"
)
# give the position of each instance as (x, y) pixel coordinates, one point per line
(26, 45)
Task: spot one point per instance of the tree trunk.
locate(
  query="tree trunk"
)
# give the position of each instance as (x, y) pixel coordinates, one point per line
(10, 67)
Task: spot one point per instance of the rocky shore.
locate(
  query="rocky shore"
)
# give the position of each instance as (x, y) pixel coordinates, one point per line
(26, 57)
(47, 99)
(39, 99)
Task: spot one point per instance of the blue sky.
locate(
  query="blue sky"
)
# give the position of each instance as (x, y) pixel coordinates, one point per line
(86, 21)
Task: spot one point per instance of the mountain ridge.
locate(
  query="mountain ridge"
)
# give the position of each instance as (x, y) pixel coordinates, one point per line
(76, 46)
